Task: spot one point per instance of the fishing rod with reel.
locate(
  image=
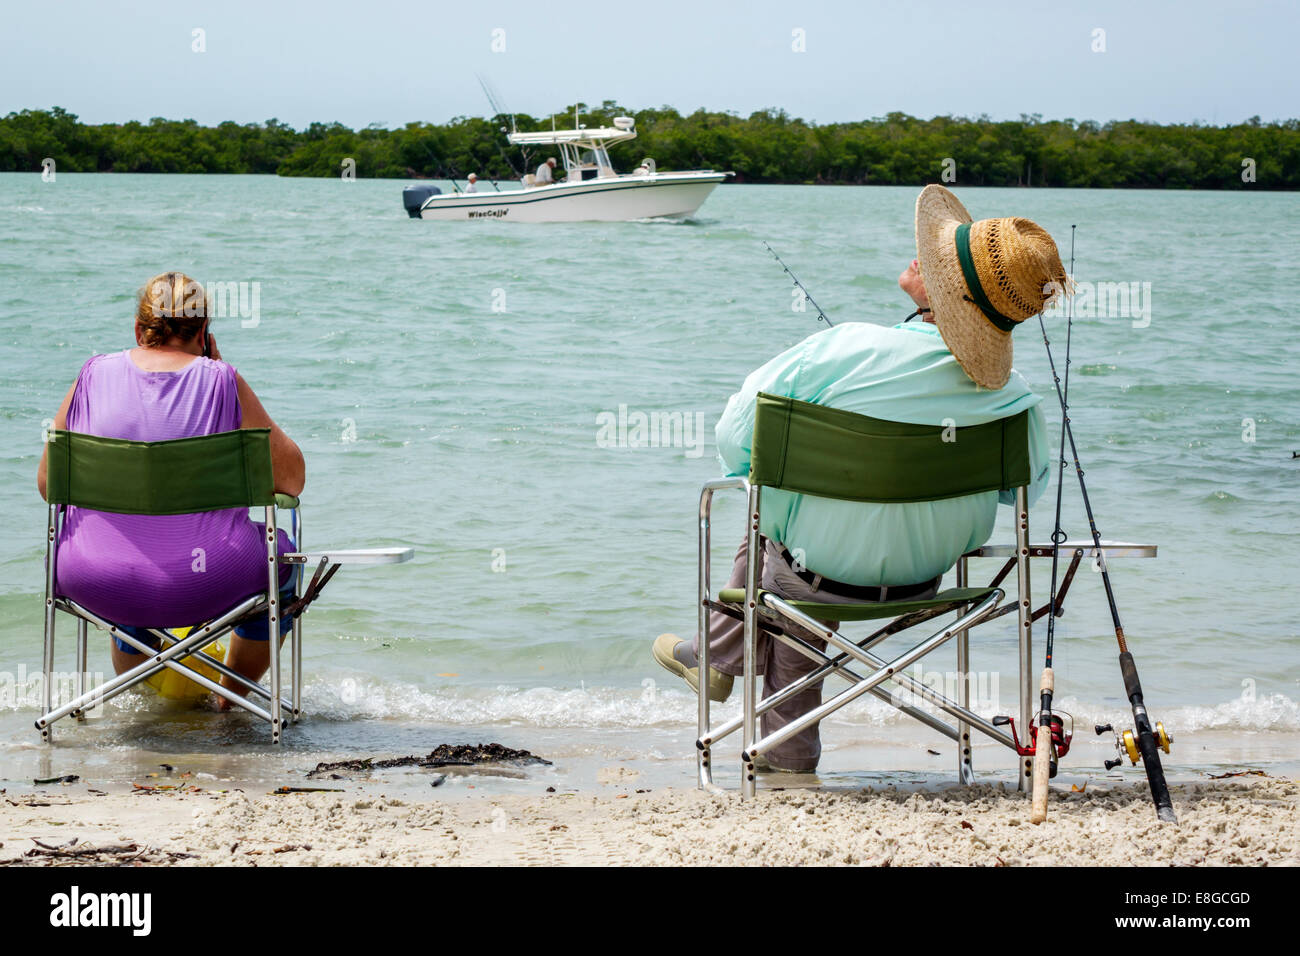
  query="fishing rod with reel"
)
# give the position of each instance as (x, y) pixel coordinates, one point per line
(1145, 742)
(1048, 747)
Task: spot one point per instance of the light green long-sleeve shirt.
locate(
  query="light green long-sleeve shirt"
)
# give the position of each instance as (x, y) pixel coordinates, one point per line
(901, 374)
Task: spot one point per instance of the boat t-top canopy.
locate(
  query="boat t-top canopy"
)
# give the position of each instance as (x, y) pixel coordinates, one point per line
(589, 138)
(583, 150)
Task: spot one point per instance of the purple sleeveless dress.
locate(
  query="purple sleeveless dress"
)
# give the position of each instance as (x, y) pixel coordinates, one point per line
(158, 570)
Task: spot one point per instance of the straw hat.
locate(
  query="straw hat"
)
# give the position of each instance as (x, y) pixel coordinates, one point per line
(1004, 279)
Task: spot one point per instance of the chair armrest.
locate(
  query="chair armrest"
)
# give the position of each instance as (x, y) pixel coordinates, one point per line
(285, 502)
(1113, 549)
(350, 556)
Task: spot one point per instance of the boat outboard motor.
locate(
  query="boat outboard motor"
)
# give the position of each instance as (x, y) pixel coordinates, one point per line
(413, 198)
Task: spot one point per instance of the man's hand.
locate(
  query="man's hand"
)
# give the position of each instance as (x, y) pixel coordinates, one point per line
(213, 351)
(912, 283)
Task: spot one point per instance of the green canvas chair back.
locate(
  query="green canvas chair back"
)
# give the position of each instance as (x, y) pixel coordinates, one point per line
(182, 476)
(832, 453)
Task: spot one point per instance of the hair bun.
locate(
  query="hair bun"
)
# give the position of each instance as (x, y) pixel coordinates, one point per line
(171, 305)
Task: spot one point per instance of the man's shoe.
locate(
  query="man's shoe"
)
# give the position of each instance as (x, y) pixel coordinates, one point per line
(763, 765)
(719, 683)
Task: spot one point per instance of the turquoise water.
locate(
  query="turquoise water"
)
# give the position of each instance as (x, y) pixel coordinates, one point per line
(446, 383)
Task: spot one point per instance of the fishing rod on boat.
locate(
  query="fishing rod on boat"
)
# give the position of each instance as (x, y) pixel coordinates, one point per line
(1145, 742)
(498, 109)
(821, 316)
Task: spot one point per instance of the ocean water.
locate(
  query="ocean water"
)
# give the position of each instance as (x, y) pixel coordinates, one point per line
(448, 385)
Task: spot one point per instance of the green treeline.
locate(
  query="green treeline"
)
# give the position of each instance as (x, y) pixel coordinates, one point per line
(765, 147)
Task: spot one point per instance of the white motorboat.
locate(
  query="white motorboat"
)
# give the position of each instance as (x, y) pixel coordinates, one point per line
(589, 190)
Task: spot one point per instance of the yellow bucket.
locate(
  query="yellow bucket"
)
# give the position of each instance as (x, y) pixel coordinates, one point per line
(174, 686)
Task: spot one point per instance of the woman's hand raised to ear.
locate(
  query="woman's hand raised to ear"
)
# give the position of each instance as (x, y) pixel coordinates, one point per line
(287, 464)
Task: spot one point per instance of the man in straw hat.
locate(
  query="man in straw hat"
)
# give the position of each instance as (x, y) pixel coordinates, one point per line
(972, 283)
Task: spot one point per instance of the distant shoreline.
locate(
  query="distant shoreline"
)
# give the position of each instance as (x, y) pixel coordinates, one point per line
(767, 147)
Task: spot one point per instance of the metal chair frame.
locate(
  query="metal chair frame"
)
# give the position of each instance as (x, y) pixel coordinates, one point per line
(766, 610)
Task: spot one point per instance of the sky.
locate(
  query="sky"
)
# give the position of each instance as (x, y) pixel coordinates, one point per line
(391, 62)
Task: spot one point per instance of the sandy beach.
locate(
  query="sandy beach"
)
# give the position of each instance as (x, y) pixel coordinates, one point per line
(1249, 821)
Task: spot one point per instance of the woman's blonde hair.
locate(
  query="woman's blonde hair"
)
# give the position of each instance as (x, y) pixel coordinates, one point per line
(171, 305)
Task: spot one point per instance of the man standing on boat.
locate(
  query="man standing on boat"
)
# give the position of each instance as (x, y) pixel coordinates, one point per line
(544, 176)
(471, 186)
(952, 369)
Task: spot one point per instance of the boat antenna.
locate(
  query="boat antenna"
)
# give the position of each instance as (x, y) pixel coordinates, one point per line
(1145, 746)
(821, 316)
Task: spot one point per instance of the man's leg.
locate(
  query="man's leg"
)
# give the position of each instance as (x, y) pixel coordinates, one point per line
(784, 665)
(726, 634)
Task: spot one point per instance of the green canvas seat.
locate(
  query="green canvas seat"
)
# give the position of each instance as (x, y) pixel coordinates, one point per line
(183, 476)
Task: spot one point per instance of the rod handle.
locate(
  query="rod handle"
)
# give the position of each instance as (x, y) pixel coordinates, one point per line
(1047, 684)
(1042, 771)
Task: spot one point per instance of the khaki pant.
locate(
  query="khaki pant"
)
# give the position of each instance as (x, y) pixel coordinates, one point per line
(779, 664)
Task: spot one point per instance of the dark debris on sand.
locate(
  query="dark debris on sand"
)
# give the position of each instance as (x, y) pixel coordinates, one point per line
(75, 853)
(444, 755)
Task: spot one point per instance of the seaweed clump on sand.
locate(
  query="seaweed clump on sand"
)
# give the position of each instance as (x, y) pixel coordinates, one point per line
(444, 755)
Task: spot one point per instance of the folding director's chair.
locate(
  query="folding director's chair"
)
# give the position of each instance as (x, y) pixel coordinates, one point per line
(183, 476)
(831, 453)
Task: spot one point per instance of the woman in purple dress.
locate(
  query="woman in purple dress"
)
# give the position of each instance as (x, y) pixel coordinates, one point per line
(170, 570)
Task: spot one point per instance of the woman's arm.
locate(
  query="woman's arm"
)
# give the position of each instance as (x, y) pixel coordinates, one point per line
(287, 463)
(60, 422)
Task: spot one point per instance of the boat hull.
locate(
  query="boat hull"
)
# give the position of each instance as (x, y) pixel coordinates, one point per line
(597, 200)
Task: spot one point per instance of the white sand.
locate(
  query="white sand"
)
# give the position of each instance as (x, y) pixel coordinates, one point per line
(1241, 822)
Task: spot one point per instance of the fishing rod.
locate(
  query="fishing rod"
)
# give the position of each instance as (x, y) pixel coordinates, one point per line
(498, 109)
(1045, 752)
(454, 171)
(821, 316)
(1147, 742)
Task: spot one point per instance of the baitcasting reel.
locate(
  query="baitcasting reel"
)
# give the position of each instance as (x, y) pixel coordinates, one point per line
(1126, 744)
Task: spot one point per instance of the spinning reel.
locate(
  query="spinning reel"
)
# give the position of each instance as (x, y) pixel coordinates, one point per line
(1062, 727)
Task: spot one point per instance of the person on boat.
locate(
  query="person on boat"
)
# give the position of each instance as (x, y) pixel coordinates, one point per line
(544, 176)
(954, 368)
(470, 186)
(170, 570)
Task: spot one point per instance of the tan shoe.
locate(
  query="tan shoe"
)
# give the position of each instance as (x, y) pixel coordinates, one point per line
(763, 765)
(719, 683)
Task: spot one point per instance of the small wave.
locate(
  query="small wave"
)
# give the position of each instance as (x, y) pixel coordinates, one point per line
(652, 705)
(1220, 497)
